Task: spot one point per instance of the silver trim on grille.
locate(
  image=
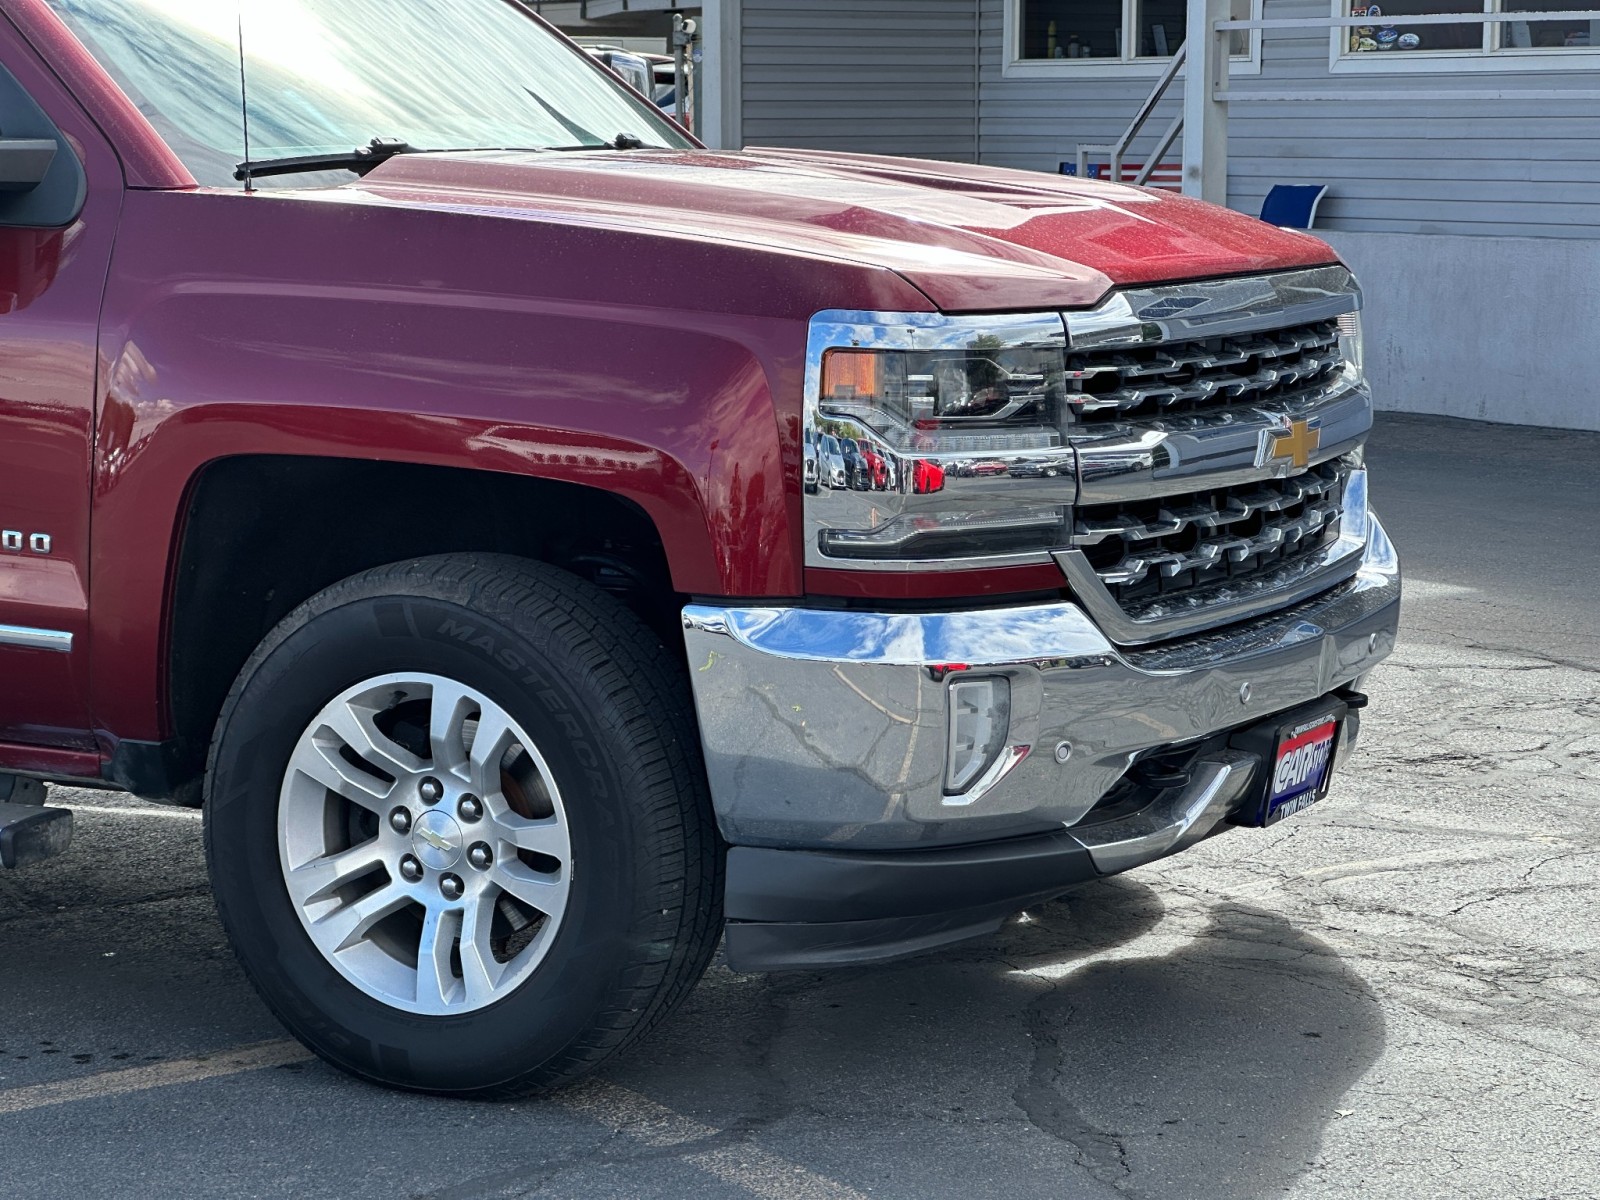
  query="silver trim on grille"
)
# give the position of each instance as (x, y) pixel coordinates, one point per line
(1124, 461)
(1164, 617)
(1214, 545)
(1184, 312)
(1315, 348)
(1160, 453)
(1088, 531)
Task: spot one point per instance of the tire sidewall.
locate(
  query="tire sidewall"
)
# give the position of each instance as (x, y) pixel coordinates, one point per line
(525, 671)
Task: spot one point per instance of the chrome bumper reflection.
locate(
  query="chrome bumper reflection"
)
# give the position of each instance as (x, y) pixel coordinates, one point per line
(826, 728)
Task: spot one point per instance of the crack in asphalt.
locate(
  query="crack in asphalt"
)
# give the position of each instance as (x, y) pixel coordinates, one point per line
(184, 893)
(1544, 656)
(1045, 1020)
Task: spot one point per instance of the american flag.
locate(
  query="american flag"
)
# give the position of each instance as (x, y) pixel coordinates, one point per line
(1167, 176)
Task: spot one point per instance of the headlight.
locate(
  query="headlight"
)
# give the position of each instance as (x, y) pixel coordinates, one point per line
(1353, 345)
(984, 387)
(956, 429)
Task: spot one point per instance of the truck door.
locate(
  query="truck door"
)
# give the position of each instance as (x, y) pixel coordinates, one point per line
(55, 246)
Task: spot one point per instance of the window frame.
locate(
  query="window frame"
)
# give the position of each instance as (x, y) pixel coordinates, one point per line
(1014, 66)
(1343, 61)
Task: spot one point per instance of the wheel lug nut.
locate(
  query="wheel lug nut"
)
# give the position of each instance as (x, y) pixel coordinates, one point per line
(470, 808)
(430, 790)
(480, 856)
(400, 821)
(411, 868)
(451, 886)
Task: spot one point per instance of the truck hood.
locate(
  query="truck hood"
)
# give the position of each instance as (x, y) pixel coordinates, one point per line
(970, 238)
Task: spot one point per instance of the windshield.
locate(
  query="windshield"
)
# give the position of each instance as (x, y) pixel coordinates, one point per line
(327, 76)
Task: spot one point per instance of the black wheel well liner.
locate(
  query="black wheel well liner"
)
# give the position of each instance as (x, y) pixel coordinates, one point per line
(261, 534)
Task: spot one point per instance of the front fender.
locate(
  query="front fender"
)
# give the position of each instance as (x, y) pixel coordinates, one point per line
(339, 344)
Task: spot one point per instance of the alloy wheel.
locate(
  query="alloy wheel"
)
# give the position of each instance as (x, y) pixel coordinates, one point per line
(423, 844)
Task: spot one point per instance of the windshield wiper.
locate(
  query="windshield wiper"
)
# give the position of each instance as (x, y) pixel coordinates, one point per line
(586, 140)
(623, 141)
(361, 160)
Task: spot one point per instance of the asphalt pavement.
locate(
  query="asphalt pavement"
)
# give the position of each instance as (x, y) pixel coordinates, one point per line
(1396, 993)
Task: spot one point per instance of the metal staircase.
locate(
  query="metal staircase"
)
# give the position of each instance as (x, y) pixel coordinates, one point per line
(1119, 149)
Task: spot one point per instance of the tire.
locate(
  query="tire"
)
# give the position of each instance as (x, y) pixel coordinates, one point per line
(600, 906)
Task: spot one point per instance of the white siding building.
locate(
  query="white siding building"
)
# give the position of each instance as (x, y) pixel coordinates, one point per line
(1462, 159)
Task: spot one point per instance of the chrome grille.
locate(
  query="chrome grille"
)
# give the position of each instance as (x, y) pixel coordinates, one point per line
(1180, 543)
(1217, 427)
(1199, 376)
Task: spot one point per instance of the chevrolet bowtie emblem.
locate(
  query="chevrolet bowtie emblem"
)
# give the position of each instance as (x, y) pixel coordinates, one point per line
(437, 841)
(1296, 443)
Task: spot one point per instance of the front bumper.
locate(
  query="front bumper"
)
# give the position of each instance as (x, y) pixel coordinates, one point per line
(825, 737)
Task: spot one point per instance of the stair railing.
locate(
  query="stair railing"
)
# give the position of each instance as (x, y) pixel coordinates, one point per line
(1119, 148)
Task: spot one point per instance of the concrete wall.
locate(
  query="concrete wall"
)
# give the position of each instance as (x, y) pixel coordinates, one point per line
(1492, 328)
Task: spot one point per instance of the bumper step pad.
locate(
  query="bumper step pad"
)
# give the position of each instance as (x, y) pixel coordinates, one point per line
(31, 833)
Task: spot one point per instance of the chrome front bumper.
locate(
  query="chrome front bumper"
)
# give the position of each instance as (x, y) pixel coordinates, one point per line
(826, 729)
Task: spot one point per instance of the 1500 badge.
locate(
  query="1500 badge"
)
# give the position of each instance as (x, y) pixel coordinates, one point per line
(14, 541)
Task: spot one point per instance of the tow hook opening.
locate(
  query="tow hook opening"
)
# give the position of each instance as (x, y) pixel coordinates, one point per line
(1164, 771)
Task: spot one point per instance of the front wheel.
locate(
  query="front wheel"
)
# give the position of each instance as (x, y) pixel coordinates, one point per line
(458, 828)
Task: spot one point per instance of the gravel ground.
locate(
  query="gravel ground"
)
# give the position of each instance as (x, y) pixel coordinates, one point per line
(1396, 993)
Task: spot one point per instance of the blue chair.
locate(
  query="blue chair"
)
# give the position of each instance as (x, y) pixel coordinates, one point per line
(1293, 205)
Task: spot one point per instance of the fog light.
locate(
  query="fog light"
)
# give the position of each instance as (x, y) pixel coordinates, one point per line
(980, 720)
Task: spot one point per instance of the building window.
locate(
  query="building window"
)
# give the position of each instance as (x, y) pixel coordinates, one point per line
(1110, 30)
(1388, 34)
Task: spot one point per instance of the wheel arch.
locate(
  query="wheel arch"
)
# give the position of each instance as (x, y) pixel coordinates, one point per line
(259, 534)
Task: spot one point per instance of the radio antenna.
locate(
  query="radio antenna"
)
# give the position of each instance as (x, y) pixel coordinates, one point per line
(244, 101)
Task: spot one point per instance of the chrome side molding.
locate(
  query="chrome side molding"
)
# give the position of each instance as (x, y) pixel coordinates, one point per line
(35, 639)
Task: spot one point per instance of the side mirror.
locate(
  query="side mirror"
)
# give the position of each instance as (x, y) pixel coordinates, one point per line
(23, 162)
(634, 70)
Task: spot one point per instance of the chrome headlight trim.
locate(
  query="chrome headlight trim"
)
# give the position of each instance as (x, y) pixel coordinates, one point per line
(1352, 345)
(855, 511)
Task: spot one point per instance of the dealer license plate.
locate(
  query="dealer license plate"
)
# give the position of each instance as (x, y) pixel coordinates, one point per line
(1302, 767)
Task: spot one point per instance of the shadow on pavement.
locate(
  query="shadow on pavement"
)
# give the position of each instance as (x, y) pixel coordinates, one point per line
(1211, 1069)
(113, 954)
(1208, 1066)
(1103, 1043)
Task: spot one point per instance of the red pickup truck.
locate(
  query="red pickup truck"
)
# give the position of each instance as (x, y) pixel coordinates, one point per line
(404, 442)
